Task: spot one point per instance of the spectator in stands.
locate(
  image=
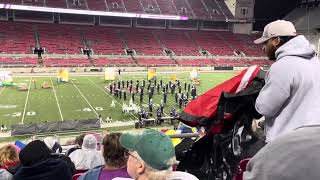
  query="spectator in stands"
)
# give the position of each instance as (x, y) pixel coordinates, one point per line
(151, 156)
(87, 157)
(53, 144)
(78, 144)
(9, 161)
(115, 161)
(294, 155)
(290, 97)
(37, 163)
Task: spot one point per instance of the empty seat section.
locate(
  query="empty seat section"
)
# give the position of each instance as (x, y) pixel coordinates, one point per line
(142, 41)
(116, 5)
(211, 42)
(177, 41)
(150, 6)
(167, 7)
(33, 2)
(66, 62)
(195, 62)
(28, 61)
(214, 10)
(103, 40)
(97, 5)
(56, 3)
(155, 62)
(60, 39)
(183, 8)
(199, 9)
(133, 6)
(113, 62)
(71, 4)
(16, 37)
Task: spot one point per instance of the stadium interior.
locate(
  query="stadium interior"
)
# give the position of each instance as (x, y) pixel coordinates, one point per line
(42, 38)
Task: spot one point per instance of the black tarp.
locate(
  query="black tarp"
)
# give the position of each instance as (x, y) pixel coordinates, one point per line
(55, 126)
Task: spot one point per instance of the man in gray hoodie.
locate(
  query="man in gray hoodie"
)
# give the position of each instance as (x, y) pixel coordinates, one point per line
(290, 98)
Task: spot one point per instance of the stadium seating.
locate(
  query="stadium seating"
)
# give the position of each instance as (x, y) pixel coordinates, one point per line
(167, 7)
(178, 42)
(66, 62)
(155, 62)
(142, 41)
(71, 4)
(34, 3)
(205, 9)
(97, 5)
(199, 9)
(183, 8)
(10, 1)
(214, 10)
(113, 62)
(28, 61)
(226, 12)
(133, 6)
(60, 39)
(116, 5)
(195, 62)
(56, 3)
(150, 6)
(213, 43)
(16, 38)
(103, 40)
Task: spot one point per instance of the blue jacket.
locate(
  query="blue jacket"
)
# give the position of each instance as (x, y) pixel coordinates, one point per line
(92, 174)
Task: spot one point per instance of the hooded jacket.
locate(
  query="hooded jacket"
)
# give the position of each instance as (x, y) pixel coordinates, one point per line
(290, 97)
(293, 156)
(45, 170)
(87, 157)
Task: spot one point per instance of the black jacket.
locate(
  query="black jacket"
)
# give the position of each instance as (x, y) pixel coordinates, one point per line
(50, 169)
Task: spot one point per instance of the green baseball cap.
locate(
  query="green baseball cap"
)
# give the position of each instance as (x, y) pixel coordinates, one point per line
(153, 147)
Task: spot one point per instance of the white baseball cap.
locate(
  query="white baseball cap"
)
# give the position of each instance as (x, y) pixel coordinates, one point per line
(276, 29)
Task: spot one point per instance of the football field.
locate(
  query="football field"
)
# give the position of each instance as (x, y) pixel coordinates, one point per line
(83, 97)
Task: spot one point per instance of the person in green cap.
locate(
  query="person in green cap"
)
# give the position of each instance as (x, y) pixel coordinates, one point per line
(151, 156)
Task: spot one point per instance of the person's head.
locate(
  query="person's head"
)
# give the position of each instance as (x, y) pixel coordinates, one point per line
(113, 152)
(276, 34)
(150, 156)
(79, 139)
(34, 152)
(89, 142)
(8, 155)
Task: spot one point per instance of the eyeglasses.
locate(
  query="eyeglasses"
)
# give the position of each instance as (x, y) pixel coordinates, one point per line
(127, 154)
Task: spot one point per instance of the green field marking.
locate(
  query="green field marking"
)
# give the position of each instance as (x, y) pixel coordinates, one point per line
(55, 95)
(109, 111)
(2, 89)
(71, 103)
(26, 102)
(65, 102)
(42, 104)
(83, 96)
(11, 104)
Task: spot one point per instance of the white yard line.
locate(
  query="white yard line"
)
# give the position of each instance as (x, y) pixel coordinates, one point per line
(55, 95)
(25, 104)
(85, 98)
(2, 90)
(109, 96)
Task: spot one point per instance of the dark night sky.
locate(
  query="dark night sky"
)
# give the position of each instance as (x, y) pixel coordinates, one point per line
(269, 10)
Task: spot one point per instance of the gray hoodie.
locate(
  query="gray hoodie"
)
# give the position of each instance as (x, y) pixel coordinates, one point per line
(291, 95)
(293, 156)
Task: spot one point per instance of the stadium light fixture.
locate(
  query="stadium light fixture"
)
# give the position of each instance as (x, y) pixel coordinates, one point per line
(87, 12)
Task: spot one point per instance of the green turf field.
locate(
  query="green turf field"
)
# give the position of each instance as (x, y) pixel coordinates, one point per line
(82, 98)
